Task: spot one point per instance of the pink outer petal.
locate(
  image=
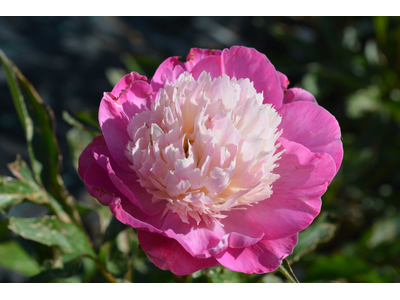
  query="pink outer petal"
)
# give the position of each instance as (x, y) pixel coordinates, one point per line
(298, 94)
(211, 64)
(115, 113)
(312, 126)
(162, 73)
(86, 158)
(126, 182)
(242, 62)
(263, 257)
(158, 80)
(200, 241)
(197, 54)
(126, 82)
(168, 254)
(99, 185)
(113, 186)
(283, 80)
(296, 198)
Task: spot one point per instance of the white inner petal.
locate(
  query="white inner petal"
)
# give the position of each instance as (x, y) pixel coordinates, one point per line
(206, 146)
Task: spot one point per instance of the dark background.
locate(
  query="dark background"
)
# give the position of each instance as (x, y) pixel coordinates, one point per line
(350, 64)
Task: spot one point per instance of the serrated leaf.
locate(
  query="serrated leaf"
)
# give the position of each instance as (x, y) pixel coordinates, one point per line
(38, 123)
(51, 231)
(322, 230)
(14, 191)
(20, 169)
(13, 257)
(286, 270)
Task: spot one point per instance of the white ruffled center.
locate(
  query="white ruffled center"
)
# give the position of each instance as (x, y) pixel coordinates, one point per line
(206, 146)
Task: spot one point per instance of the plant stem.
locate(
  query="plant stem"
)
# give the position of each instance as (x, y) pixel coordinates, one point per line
(104, 272)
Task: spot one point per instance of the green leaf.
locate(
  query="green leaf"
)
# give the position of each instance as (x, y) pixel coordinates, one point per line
(286, 270)
(77, 141)
(113, 229)
(14, 191)
(322, 230)
(13, 257)
(38, 123)
(223, 275)
(51, 231)
(89, 116)
(385, 231)
(63, 269)
(338, 267)
(20, 169)
(78, 125)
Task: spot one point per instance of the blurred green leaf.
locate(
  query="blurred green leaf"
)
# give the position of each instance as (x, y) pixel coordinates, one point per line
(385, 231)
(64, 269)
(77, 141)
(223, 275)
(132, 64)
(38, 123)
(363, 101)
(13, 257)
(381, 27)
(114, 75)
(78, 125)
(114, 228)
(319, 232)
(89, 116)
(51, 231)
(271, 278)
(338, 267)
(287, 271)
(116, 262)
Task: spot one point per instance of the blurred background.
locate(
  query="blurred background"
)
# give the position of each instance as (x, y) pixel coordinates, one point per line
(350, 64)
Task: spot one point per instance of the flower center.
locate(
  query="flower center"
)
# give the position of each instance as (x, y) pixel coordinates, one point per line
(206, 146)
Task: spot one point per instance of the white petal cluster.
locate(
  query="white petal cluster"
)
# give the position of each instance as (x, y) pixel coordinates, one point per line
(206, 146)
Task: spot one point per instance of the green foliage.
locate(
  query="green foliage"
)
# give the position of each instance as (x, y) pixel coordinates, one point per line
(13, 257)
(322, 230)
(351, 65)
(51, 231)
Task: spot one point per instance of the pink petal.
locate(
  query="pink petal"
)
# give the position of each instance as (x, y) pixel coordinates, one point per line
(99, 185)
(158, 80)
(126, 82)
(242, 62)
(115, 113)
(210, 64)
(126, 182)
(297, 94)
(296, 198)
(263, 257)
(201, 241)
(197, 54)
(283, 80)
(86, 158)
(314, 127)
(131, 215)
(168, 254)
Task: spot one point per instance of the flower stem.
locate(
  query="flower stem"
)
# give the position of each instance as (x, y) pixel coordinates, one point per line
(104, 272)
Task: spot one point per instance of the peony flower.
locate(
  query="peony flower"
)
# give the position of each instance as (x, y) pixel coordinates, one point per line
(213, 161)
